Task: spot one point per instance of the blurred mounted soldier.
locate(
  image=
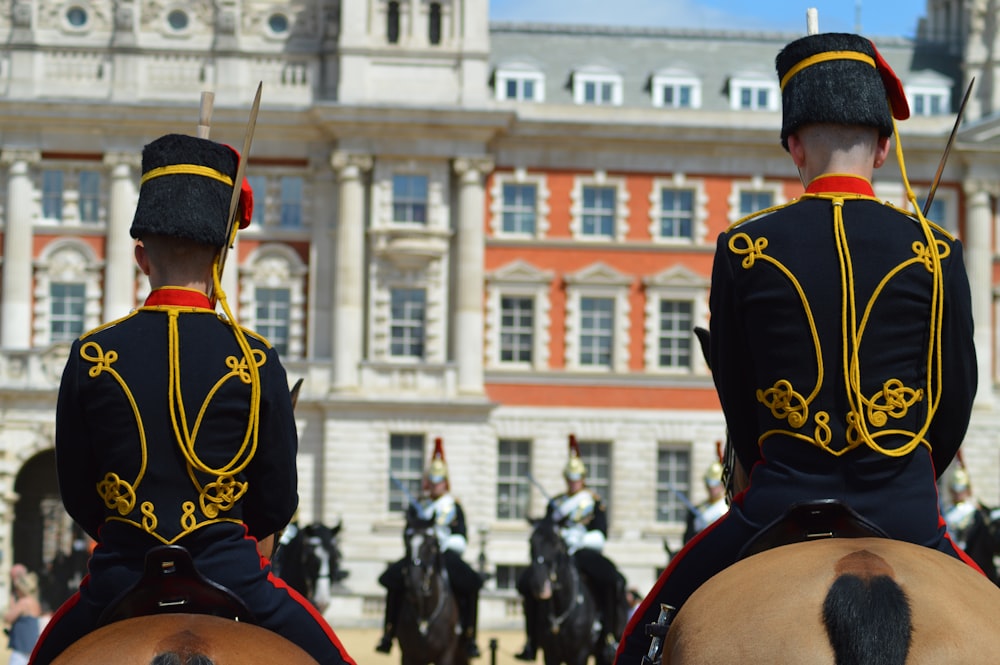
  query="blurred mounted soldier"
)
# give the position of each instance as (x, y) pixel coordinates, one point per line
(584, 532)
(438, 503)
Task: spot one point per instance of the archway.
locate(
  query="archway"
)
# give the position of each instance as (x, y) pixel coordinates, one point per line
(44, 537)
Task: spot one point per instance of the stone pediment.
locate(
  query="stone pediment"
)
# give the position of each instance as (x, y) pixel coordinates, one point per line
(599, 274)
(520, 272)
(677, 276)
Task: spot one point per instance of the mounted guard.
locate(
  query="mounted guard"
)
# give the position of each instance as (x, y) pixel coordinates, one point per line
(174, 424)
(439, 505)
(584, 519)
(841, 331)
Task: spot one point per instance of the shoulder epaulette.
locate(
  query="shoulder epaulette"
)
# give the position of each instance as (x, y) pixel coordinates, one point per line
(107, 325)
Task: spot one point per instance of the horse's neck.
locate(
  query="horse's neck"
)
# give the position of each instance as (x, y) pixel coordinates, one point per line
(568, 587)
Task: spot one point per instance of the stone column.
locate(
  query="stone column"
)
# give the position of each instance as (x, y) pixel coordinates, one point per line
(468, 278)
(16, 297)
(349, 278)
(978, 262)
(119, 270)
(321, 283)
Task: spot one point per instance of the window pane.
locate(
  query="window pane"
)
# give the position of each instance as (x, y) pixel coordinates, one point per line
(518, 211)
(273, 316)
(258, 184)
(516, 329)
(529, 90)
(596, 455)
(66, 308)
(596, 331)
(291, 202)
(513, 490)
(673, 480)
(52, 195)
(409, 198)
(90, 196)
(675, 333)
(676, 214)
(751, 201)
(406, 464)
(406, 337)
(598, 217)
(685, 96)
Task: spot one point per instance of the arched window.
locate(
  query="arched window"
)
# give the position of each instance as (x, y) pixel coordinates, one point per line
(434, 25)
(392, 23)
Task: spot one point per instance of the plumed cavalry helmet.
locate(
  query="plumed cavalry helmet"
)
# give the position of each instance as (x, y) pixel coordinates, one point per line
(437, 470)
(837, 78)
(185, 190)
(713, 475)
(959, 480)
(575, 469)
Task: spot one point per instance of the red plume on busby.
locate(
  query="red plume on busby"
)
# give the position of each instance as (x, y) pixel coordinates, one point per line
(575, 468)
(438, 469)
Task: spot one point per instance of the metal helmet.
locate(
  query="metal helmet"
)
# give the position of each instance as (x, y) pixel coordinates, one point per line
(713, 475)
(437, 470)
(575, 469)
(959, 480)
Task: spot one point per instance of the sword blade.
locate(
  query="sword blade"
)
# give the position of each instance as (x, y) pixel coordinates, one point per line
(234, 201)
(947, 149)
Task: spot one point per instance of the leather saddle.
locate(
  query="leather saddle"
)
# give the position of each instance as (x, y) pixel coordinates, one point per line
(812, 520)
(170, 583)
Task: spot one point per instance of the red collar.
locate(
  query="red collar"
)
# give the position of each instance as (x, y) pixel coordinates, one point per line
(840, 183)
(175, 296)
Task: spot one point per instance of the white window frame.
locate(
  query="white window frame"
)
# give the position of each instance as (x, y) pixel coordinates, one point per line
(519, 279)
(518, 74)
(66, 260)
(737, 84)
(677, 283)
(599, 77)
(268, 202)
(408, 357)
(542, 194)
(699, 212)
(599, 179)
(276, 266)
(754, 184)
(676, 80)
(668, 488)
(598, 281)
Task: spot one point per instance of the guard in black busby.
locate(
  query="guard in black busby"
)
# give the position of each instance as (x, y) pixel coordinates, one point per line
(438, 503)
(841, 331)
(174, 424)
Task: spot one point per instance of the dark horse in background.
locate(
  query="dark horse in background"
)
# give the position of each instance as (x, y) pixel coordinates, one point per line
(568, 612)
(308, 560)
(428, 623)
(982, 542)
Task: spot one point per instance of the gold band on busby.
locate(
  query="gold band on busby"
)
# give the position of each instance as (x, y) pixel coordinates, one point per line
(185, 190)
(837, 78)
(438, 469)
(575, 469)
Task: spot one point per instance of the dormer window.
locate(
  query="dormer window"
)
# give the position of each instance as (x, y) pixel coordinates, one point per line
(597, 86)
(675, 89)
(929, 99)
(753, 92)
(519, 82)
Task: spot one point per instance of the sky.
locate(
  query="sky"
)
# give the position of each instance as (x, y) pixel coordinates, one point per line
(878, 18)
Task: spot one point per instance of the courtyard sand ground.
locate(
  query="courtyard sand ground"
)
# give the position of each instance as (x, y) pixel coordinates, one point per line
(360, 643)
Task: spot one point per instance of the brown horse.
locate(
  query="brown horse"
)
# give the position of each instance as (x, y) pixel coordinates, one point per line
(183, 639)
(840, 601)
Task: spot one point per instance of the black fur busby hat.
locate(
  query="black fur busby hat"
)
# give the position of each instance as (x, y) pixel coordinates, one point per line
(837, 78)
(185, 190)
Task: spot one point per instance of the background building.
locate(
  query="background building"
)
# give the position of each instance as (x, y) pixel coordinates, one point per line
(496, 234)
